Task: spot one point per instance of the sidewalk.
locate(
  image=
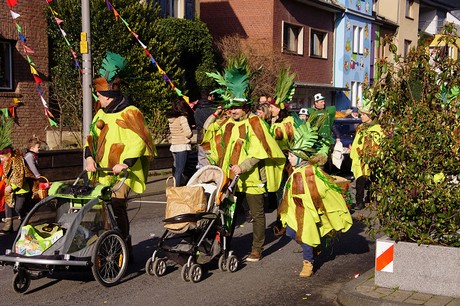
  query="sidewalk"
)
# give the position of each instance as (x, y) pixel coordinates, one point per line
(362, 291)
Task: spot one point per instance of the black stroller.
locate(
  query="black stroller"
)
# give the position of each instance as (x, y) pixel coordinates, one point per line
(193, 239)
(74, 227)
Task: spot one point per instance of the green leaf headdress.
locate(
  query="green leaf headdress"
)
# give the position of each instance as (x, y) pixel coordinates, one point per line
(366, 107)
(285, 88)
(112, 67)
(5, 134)
(234, 83)
(307, 144)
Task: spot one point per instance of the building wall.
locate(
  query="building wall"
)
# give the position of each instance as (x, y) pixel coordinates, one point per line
(352, 67)
(408, 27)
(254, 21)
(309, 69)
(30, 113)
(260, 22)
(388, 9)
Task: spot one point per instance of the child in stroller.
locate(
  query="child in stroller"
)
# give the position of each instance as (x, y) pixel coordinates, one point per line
(197, 234)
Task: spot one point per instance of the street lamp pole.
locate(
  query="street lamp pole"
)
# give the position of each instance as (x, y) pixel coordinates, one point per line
(85, 49)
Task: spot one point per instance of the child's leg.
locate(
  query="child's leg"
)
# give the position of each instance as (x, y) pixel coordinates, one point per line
(308, 256)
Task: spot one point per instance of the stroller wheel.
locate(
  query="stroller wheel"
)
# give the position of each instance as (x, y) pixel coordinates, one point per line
(222, 263)
(109, 259)
(21, 281)
(185, 273)
(159, 267)
(196, 272)
(149, 267)
(232, 263)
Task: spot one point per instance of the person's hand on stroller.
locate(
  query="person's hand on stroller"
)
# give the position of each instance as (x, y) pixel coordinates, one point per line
(90, 164)
(118, 168)
(236, 169)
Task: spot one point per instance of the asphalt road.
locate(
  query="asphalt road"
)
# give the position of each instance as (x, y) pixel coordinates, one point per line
(272, 281)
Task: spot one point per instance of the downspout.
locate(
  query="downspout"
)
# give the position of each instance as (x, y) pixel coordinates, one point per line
(336, 21)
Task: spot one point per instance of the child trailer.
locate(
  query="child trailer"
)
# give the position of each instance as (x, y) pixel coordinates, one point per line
(71, 229)
(197, 226)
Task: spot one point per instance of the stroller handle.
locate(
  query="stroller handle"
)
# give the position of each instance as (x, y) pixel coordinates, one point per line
(81, 175)
(231, 187)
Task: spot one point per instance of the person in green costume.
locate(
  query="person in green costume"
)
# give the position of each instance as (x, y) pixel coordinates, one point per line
(119, 139)
(322, 117)
(244, 146)
(312, 204)
(366, 141)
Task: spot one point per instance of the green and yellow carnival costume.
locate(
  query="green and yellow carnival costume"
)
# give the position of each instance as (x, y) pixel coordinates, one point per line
(119, 136)
(246, 142)
(366, 141)
(312, 203)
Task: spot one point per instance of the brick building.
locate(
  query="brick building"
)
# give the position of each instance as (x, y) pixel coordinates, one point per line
(16, 79)
(301, 30)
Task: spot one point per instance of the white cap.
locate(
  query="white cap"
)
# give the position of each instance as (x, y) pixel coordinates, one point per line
(303, 111)
(318, 97)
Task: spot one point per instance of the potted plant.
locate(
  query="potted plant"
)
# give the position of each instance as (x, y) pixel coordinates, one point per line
(415, 190)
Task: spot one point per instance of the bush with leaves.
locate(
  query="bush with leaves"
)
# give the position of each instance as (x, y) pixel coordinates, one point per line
(416, 194)
(150, 92)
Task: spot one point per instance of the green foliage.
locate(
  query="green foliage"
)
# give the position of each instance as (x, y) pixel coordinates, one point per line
(417, 187)
(172, 43)
(193, 47)
(5, 132)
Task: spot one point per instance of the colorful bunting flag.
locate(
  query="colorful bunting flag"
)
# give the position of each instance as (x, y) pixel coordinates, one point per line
(11, 3)
(37, 79)
(14, 15)
(33, 70)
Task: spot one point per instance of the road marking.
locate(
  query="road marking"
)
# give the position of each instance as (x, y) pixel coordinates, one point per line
(144, 201)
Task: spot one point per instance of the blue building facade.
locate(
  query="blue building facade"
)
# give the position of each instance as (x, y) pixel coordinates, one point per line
(352, 52)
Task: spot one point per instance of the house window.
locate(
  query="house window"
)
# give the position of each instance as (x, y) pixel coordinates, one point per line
(6, 66)
(292, 38)
(318, 44)
(175, 8)
(410, 9)
(356, 93)
(358, 40)
(407, 44)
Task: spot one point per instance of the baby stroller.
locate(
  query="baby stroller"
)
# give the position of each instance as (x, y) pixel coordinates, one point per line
(74, 227)
(195, 238)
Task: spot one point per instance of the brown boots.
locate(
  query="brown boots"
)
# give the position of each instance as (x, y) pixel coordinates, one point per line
(7, 227)
(307, 269)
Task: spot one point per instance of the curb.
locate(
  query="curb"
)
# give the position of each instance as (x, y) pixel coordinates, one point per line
(348, 296)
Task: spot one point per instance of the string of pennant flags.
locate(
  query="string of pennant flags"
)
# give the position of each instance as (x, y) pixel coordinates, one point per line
(59, 21)
(117, 16)
(10, 110)
(27, 51)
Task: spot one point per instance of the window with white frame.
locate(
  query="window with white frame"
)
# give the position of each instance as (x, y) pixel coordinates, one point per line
(176, 8)
(407, 44)
(292, 38)
(358, 40)
(410, 8)
(318, 43)
(356, 93)
(6, 65)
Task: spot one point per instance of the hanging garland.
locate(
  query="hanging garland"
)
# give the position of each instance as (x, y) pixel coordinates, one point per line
(27, 50)
(59, 21)
(117, 16)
